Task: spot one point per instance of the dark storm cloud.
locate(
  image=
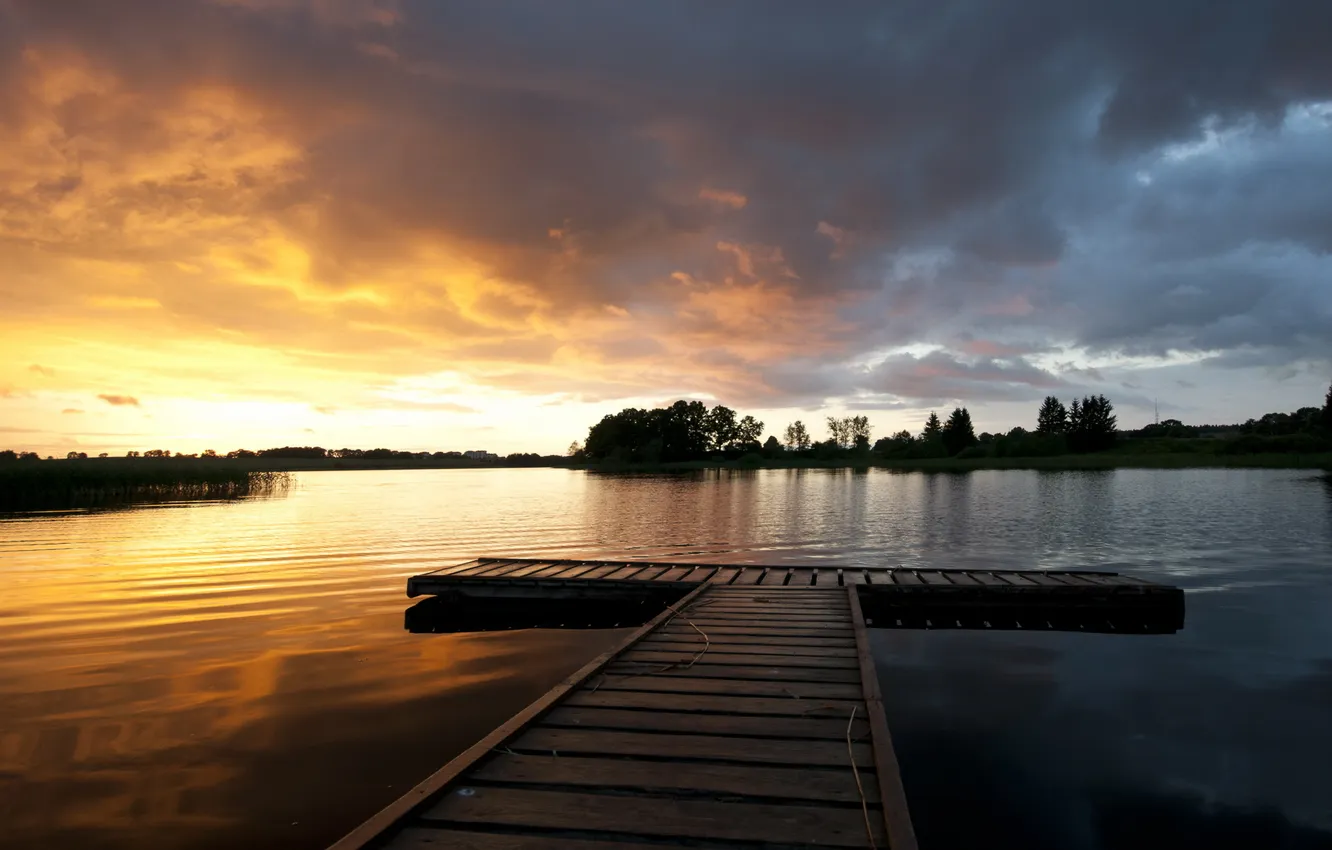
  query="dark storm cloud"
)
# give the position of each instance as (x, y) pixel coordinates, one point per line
(1016, 149)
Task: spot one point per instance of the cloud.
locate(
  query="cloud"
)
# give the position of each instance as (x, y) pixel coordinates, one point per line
(621, 202)
(44, 371)
(71, 410)
(119, 400)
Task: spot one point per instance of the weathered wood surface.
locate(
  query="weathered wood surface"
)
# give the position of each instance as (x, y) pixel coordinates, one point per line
(711, 726)
(890, 597)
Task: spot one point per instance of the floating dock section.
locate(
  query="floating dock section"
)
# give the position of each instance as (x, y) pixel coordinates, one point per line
(745, 713)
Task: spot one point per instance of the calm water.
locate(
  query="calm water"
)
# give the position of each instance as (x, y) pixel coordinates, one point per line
(215, 675)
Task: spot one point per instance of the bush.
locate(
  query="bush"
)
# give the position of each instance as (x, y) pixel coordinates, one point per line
(973, 451)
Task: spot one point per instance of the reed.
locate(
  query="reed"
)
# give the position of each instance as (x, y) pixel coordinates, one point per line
(59, 485)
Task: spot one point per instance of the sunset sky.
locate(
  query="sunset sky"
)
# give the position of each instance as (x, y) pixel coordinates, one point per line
(456, 225)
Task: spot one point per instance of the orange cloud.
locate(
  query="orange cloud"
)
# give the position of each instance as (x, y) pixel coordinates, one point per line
(119, 400)
(734, 200)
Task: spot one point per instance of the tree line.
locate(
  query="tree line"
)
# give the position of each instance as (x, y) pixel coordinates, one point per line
(689, 430)
(306, 453)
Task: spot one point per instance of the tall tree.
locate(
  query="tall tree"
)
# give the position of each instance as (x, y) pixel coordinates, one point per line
(958, 432)
(840, 430)
(748, 431)
(1327, 409)
(860, 430)
(720, 427)
(933, 428)
(1052, 418)
(796, 436)
(1092, 424)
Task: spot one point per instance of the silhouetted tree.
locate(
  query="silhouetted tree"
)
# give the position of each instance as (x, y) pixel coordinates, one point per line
(1091, 424)
(933, 428)
(8, 455)
(1052, 418)
(748, 431)
(209, 453)
(1327, 409)
(131, 454)
(796, 437)
(958, 432)
(77, 456)
(840, 430)
(720, 426)
(860, 430)
(686, 430)
(771, 446)
(575, 449)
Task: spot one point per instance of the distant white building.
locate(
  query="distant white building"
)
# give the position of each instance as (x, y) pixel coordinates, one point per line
(476, 454)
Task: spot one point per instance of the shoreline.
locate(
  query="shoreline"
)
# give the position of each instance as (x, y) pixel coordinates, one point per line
(1072, 463)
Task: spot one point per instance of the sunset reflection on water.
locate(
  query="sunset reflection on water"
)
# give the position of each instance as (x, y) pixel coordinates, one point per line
(238, 674)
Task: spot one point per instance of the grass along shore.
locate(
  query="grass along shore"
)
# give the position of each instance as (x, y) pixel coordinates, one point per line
(109, 482)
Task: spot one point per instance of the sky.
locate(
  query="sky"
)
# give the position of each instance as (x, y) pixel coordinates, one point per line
(424, 225)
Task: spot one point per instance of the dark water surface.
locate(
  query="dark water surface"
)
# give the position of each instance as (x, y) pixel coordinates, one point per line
(221, 675)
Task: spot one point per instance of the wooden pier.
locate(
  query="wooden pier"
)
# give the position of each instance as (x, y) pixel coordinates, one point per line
(745, 713)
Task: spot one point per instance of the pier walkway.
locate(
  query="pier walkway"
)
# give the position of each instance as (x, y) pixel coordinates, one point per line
(740, 717)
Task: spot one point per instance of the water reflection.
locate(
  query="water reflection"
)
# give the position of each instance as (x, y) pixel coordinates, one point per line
(238, 674)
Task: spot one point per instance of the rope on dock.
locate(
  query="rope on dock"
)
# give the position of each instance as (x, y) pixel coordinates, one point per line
(864, 804)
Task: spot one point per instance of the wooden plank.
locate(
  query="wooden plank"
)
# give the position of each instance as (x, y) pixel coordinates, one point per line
(729, 779)
(828, 728)
(698, 685)
(777, 577)
(1015, 579)
(815, 654)
(601, 571)
(906, 578)
(454, 569)
(615, 743)
(753, 609)
(644, 655)
(674, 574)
(892, 796)
(571, 571)
(750, 575)
(768, 673)
(934, 577)
(831, 625)
(655, 816)
(774, 609)
(988, 579)
(854, 577)
(960, 577)
(547, 571)
(778, 632)
(495, 569)
(779, 706)
(450, 838)
(387, 817)
(725, 575)
(681, 631)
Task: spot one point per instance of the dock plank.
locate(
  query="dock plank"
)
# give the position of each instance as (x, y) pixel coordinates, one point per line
(769, 673)
(738, 688)
(694, 777)
(717, 658)
(754, 726)
(430, 838)
(720, 637)
(665, 644)
(655, 816)
(615, 743)
(782, 706)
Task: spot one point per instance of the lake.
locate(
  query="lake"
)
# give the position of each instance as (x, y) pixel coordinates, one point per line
(237, 674)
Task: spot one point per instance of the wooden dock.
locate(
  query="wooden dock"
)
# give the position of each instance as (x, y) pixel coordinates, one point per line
(522, 593)
(744, 713)
(739, 717)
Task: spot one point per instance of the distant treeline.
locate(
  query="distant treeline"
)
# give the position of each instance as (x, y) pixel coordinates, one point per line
(690, 431)
(317, 453)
